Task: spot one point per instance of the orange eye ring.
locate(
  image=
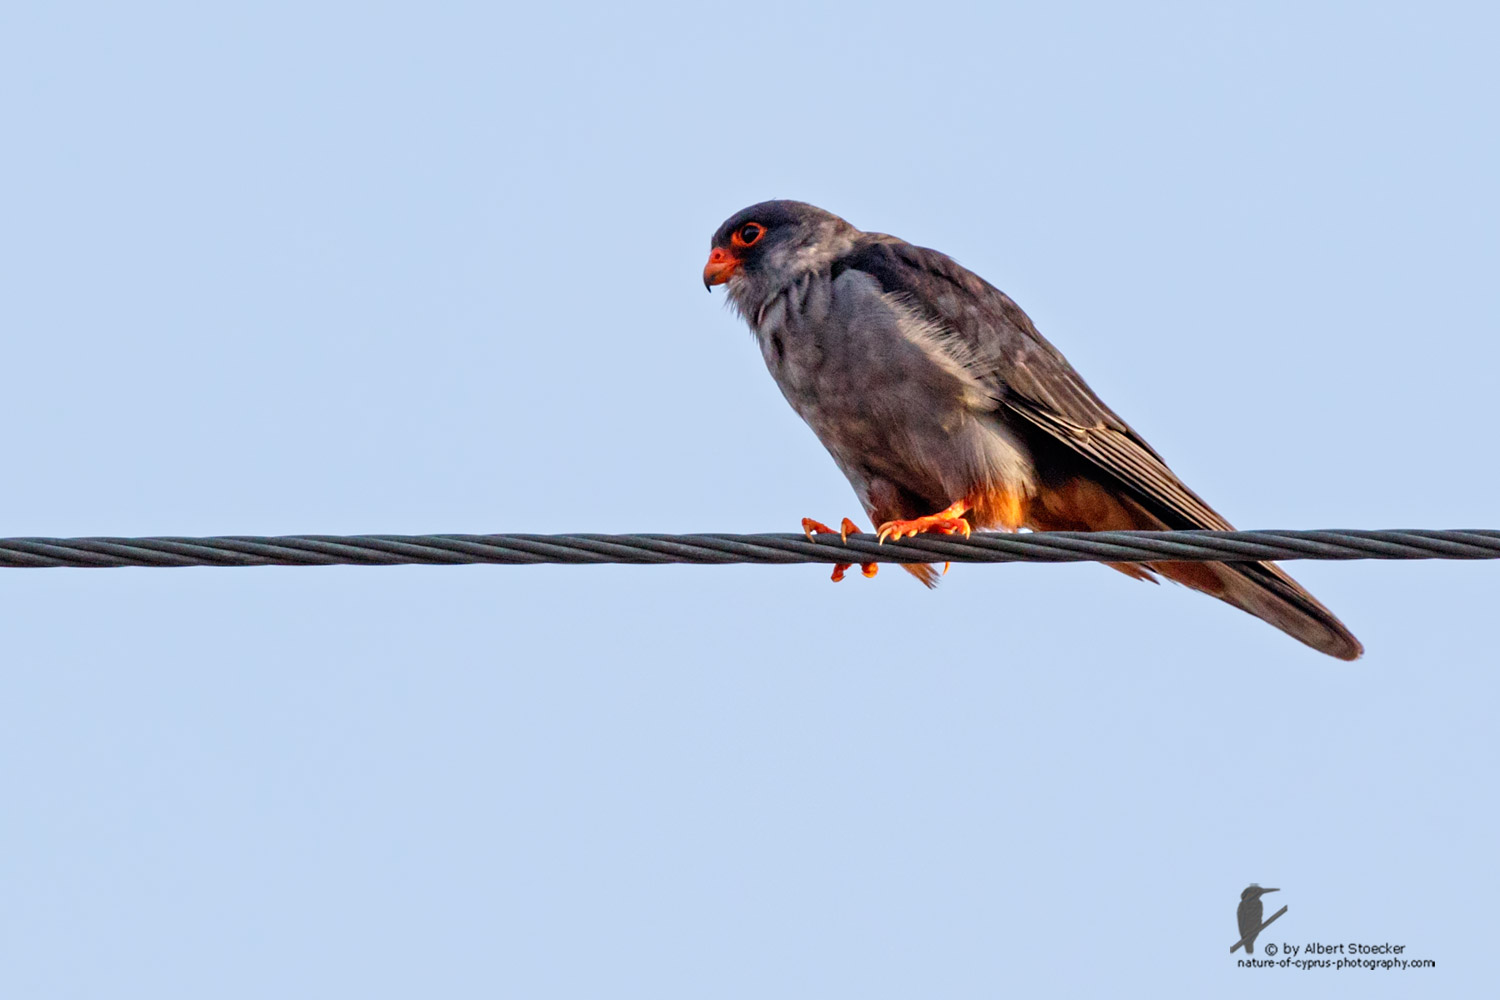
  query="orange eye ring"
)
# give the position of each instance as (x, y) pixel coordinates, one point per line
(748, 235)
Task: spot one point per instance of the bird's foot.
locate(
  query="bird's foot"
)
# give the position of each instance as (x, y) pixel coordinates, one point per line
(811, 527)
(847, 528)
(944, 522)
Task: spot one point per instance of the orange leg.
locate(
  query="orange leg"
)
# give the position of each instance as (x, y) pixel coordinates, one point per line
(847, 528)
(946, 522)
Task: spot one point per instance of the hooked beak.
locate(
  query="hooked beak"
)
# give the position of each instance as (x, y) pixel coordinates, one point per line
(720, 268)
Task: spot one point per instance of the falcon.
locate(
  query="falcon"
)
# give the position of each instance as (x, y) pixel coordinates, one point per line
(947, 411)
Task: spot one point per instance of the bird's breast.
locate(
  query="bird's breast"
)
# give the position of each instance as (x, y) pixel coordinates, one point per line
(876, 393)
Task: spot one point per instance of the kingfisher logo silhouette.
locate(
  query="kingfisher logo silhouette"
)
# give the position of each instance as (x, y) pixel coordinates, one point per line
(1249, 914)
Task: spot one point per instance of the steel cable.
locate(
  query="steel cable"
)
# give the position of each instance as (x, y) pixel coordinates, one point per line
(983, 547)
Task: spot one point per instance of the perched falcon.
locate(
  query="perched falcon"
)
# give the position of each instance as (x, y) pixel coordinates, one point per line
(948, 411)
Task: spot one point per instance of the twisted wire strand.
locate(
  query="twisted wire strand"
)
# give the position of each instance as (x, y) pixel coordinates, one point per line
(984, 547)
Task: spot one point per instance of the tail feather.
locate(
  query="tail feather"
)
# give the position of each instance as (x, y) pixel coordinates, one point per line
(1262, 589)
(1268, 593)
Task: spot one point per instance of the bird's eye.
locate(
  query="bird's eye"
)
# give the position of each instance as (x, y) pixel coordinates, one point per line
(748, 234)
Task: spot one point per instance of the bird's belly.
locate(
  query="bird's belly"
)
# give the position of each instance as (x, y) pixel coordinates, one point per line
(903, 430)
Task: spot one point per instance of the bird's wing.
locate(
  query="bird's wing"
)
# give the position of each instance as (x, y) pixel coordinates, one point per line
(997, 342)
(1248, 916)
(982, 330)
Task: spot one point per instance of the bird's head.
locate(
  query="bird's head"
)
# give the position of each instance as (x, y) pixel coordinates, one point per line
(1253, 891)
(760, 249)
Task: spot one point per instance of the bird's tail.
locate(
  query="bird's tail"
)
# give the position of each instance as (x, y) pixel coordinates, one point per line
(1268, 593)
(1262, 589)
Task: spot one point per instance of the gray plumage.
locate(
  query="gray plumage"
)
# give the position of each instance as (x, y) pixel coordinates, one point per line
(928, 385)
(1249, 915)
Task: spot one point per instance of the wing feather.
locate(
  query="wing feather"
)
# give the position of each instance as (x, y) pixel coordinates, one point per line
(997, 343)
(1026, 374)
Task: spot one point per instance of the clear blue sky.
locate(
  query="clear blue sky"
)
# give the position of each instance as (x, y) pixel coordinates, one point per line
(357, 267)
